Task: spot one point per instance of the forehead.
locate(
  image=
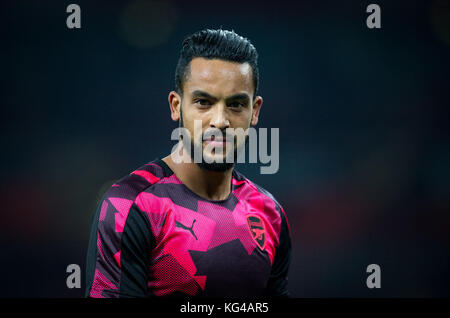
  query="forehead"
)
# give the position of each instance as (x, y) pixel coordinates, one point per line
(219, 77)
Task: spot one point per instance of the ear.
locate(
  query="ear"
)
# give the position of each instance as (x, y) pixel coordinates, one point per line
(175, 104)
(255, 111)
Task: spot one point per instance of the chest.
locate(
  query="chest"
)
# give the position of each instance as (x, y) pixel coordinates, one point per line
(212, 250)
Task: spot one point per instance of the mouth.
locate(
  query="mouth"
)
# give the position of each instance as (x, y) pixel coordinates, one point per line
(216, 141)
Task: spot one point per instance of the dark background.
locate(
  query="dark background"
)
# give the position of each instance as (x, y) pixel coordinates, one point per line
(364, 135)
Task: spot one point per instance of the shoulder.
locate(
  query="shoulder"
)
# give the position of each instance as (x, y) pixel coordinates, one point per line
(123, 193)
(137, 181)
(254, 191)
(261, 199)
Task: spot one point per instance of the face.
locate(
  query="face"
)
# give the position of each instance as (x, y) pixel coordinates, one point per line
(220, 95)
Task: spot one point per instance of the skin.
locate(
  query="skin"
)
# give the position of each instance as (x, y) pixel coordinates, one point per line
(221, 81)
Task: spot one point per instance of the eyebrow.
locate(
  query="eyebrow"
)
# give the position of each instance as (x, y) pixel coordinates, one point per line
(239, 96)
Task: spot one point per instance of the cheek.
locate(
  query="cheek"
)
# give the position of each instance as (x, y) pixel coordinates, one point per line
(245, 118)
(243, 122)
(193, 119)
(188, 124)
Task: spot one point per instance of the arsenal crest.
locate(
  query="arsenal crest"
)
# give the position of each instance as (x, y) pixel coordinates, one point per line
(257, 229)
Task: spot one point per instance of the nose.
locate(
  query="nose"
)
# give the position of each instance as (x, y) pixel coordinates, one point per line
(219, 118)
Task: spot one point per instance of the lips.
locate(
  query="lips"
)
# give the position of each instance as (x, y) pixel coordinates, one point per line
(218, 139)
(216, 143)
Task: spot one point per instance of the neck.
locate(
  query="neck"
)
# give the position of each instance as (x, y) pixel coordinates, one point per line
(212, 185)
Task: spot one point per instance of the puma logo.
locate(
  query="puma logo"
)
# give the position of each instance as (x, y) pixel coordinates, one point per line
(184, 227)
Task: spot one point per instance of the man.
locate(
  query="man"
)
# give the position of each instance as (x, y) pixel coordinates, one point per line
(180, 227)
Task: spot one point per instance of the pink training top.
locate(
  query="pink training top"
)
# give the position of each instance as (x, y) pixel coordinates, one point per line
(152, 236)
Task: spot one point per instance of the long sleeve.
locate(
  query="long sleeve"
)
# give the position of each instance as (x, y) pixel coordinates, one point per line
(119, 252)
(277, 285)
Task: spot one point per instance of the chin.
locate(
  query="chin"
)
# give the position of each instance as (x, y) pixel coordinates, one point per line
(212, 158)
(215, 166)
(214, 163)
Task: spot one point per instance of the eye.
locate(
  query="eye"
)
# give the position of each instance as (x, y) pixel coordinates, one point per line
(236, 105)
(202, 102)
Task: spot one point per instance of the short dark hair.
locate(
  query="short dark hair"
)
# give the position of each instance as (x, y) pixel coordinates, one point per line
(216, 44)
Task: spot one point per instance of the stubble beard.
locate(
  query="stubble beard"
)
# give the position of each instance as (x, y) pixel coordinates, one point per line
(209, 166)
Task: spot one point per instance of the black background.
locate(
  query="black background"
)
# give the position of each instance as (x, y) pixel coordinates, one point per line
(363, 118)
